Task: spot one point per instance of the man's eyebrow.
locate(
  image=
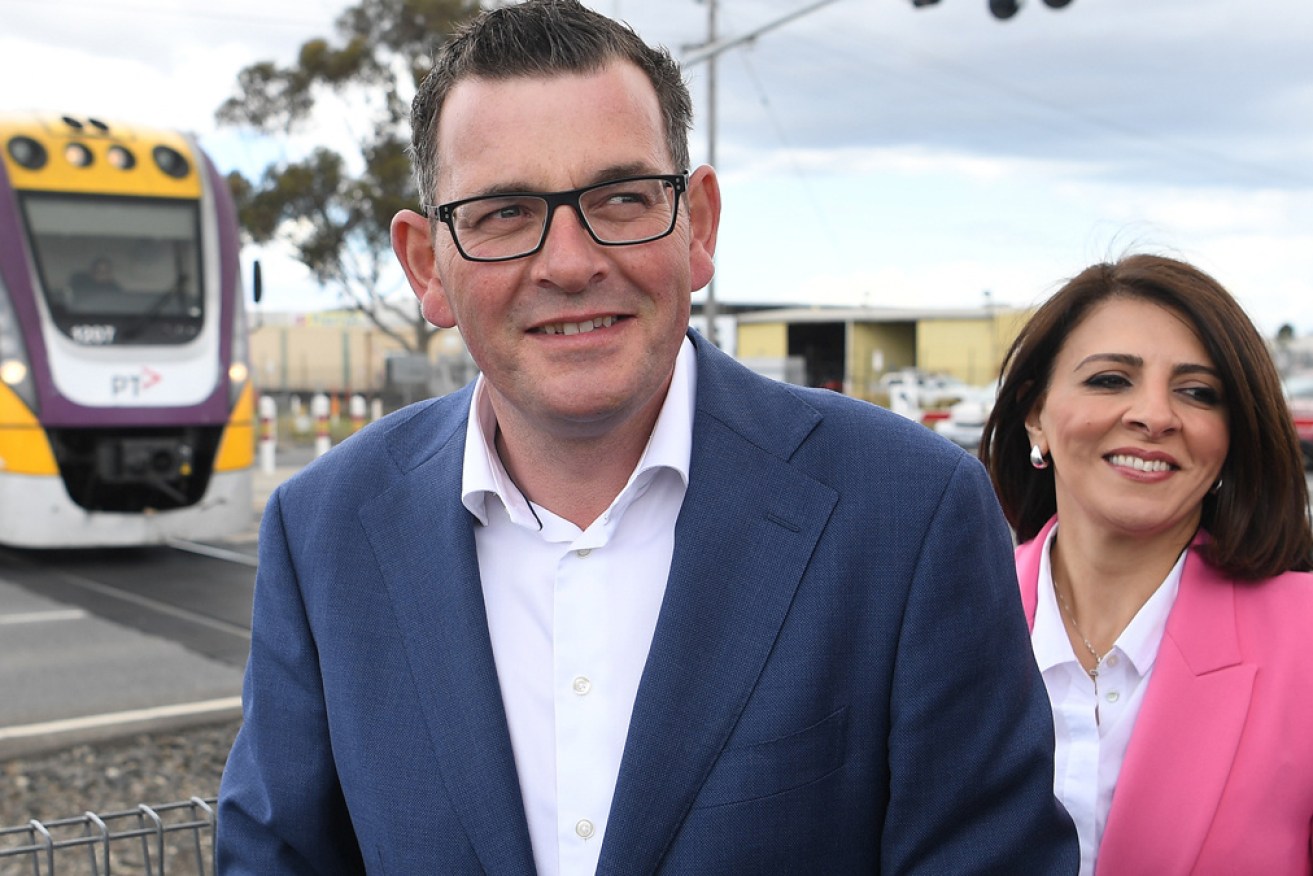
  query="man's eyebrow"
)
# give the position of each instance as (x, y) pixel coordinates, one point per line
(620, 171)
(519, 187)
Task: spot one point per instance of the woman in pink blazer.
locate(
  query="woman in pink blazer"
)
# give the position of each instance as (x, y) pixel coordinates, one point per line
(1142, 451)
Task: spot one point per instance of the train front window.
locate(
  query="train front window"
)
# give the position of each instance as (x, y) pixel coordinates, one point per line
(119, 270)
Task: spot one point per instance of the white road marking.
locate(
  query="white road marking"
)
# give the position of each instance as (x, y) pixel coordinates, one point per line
(110, 719)
(42, 617)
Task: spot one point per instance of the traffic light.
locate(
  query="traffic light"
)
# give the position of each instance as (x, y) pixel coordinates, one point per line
(1005, 9)
(1002, 9)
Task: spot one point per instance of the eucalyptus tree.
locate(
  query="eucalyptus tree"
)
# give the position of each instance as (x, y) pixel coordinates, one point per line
(333, 206)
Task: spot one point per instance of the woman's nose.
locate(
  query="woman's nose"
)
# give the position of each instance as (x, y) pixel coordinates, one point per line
(1152, 410)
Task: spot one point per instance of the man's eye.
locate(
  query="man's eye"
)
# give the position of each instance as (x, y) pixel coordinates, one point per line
(629, 198)
(501, 212)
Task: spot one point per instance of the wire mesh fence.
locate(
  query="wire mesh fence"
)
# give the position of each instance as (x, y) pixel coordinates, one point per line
(173, 839)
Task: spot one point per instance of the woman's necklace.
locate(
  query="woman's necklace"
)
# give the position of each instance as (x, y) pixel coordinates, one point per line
(1098, 658)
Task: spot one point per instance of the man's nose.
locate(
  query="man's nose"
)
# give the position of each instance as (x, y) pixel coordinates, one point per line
(570, 258)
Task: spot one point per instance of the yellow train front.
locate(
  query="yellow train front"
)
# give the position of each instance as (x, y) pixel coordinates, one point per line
(126, 408)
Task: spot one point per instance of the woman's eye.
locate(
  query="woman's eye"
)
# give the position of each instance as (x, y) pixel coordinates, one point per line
(1205, 395)
(1107, 381)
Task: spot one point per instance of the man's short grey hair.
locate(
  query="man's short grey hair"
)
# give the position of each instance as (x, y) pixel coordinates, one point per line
(542, 38)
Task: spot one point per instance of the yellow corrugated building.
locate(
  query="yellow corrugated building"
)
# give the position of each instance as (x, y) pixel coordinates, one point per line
(852, 348)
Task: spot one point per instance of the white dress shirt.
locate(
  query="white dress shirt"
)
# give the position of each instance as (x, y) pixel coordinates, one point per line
(1089, 752)
(571, 615)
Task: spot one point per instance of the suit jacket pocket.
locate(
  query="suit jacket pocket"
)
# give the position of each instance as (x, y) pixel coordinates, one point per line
(763, 769)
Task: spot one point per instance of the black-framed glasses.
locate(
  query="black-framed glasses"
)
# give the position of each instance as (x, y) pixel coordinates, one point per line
(618, 212)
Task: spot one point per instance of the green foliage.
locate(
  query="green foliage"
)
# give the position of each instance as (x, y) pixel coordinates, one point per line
(335, 211)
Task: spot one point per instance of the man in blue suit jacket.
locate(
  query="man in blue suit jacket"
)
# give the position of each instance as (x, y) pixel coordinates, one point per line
(798, 612)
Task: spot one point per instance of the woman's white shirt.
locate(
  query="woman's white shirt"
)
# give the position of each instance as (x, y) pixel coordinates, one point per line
(1089, 751)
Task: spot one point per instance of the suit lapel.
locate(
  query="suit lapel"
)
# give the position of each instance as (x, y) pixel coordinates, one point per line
(746, 532)
(423, 539)
(1186, 736)
(1028, 557)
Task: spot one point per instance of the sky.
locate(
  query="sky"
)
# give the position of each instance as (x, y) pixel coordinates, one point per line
(870, 152)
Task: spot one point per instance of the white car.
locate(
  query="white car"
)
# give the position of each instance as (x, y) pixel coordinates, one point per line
(965, 423)
(922, 389)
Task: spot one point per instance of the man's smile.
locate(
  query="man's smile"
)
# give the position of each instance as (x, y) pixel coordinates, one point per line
(577, 328)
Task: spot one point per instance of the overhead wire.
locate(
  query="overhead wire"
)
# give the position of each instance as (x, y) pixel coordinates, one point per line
(855, 53)
(782, 134)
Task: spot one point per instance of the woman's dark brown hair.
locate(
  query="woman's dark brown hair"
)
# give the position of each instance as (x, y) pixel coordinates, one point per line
(1259, 519)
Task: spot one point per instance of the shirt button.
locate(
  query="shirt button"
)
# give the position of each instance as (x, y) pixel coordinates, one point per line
(584, 828)
(1113, 696)
(581, 686)
(1112, 660)
(583, 552)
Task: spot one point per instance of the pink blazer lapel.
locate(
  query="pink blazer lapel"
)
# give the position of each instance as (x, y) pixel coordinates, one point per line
(1028, 557)
(1186, 735)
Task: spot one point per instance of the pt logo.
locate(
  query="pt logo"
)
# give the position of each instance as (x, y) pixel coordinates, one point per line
(133, 385)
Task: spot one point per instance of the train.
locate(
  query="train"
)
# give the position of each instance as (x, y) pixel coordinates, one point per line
(126, 400)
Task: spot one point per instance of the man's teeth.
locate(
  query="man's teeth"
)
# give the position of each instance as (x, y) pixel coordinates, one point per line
(1140, 464)
(577, 328)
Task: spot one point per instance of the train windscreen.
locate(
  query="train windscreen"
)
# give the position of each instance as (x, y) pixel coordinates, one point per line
(117, 270)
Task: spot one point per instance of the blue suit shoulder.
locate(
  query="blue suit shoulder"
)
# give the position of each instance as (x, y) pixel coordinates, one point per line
(373, 459)
(818, 429)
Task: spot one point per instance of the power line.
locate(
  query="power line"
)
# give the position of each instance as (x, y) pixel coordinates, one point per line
(822, 217)
(839, 55)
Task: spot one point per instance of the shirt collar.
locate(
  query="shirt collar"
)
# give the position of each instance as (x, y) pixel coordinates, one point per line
(1142, 636)
(483, 476)
(1138, 642)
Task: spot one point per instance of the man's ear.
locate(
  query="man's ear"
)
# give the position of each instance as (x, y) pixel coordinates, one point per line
(703, 198)
(412, 241)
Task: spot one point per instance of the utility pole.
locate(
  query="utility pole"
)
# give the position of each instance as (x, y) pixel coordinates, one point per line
(707, 53)
(709, 310)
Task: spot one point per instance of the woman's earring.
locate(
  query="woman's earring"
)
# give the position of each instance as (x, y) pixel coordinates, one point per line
(1216, 488)
(1037, 458)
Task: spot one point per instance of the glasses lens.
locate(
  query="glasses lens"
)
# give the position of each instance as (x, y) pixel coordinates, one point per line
(631, 211)
(507, 227)
(499, 228)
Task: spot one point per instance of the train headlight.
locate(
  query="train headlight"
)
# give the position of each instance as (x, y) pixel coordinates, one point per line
(28, 153)
(12, 372)
(78, 155)
(239, 371)
(121, 158)
(171, 161)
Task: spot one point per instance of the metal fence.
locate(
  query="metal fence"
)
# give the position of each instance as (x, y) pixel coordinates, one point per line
(174, 838)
